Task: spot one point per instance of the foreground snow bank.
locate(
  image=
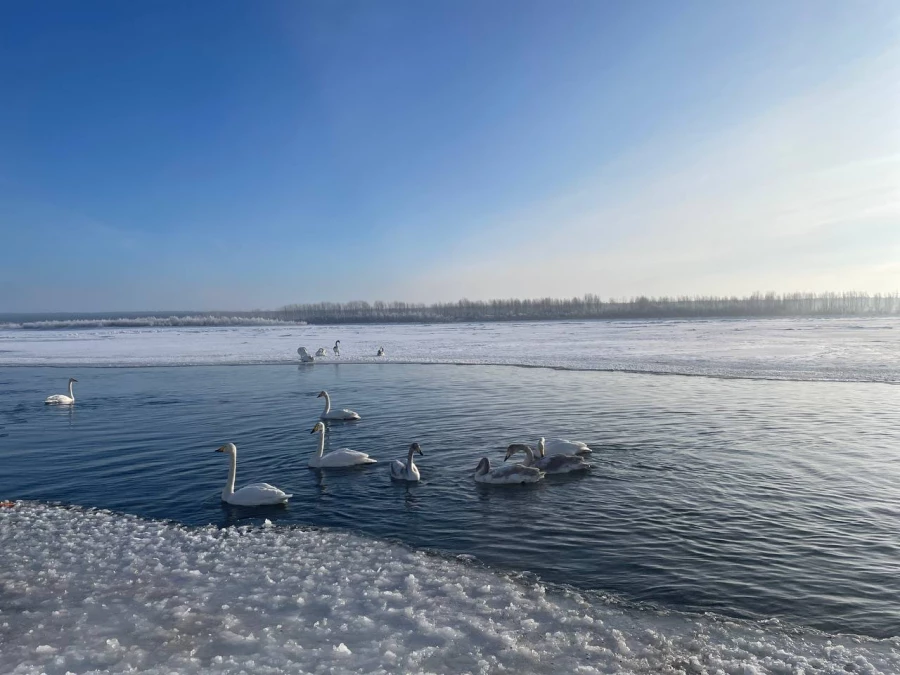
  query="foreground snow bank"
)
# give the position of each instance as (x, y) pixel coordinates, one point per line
(92, 591)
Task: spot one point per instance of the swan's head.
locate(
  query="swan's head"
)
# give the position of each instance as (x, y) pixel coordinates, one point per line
(415, 448)
(319, 427)
(322, 394)
(483, 466)
(514, 448)
(228, 448)
(337, 342)
(72, 379)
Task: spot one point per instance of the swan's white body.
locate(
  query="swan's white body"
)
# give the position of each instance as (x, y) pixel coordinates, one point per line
(554, 464)
(561, 446)
(513, 474)
(409, 471)
(337, 348)
(336, 458)
(329, 414)
(62, 399)
(380, 351)
(305, 356)
(255, 494)
(321, 352)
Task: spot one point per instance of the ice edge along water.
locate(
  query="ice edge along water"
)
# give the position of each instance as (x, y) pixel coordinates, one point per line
(777, 349)
(95, 591)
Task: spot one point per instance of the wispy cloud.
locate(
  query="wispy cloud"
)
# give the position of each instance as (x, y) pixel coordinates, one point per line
(794, 198)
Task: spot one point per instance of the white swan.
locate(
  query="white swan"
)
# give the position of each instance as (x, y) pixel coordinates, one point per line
(561, 446)
(380, 351)
(255, 494)
(321, 352)
(305, 356)
(329, 414)
(337, 348)
(553, 464)
(513, 474)
(408, 471)
(62, 399)
(336, 458)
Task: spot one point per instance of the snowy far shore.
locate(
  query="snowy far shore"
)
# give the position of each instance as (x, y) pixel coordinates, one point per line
(864, 350)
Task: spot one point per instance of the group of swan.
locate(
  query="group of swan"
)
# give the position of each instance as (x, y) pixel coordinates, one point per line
(306, 357)
(566, 456)
(534, 469)
(263, 494)
(62, 399)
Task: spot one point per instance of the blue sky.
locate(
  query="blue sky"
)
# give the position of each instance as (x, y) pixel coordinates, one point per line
(233, 155)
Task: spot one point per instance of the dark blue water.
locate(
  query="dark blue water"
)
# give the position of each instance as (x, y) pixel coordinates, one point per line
(749, 498)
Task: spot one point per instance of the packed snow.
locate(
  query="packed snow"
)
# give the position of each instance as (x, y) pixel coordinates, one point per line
(801, 349)
(86, 591)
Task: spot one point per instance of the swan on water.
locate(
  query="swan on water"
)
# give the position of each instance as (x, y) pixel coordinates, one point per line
(554, 464)
(512, 474)
(305, 356)
(380, 351)
(408, 471)
(336, 458)
(561, 446)
(255, 494)
(337, 348)
(321, 352)
(62, 399)
(329, 414)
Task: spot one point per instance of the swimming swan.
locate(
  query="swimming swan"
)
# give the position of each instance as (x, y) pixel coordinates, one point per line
(560, 446)
(408, 471)
(305, 356)
(255, 494)
(321, 352)
(380, 351)
(62, 399)
(329, 414)
(513, 474)
(337, 347)
(553, 464)
(337, 458)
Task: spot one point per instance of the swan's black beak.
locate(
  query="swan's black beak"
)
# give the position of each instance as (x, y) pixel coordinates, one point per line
(313, 431)
(219, 450)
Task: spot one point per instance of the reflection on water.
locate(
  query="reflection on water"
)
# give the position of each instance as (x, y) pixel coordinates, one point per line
(744, 497)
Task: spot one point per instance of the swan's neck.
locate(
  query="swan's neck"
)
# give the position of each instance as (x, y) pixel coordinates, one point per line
(321, 443)
(541, 448)
(71, 394)
(327, 404)
(229, 486)
(409, 461)
(529, 456)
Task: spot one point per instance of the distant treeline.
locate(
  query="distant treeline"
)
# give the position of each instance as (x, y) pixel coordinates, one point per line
(592, 307)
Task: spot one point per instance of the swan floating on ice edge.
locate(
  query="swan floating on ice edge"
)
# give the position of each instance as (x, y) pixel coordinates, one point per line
(409, 471)
(62, 399)
(255, 494)
(329, 414)
(514, 474)
(336, 458)
(305, 356)
(380, 352)
(321, 352)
